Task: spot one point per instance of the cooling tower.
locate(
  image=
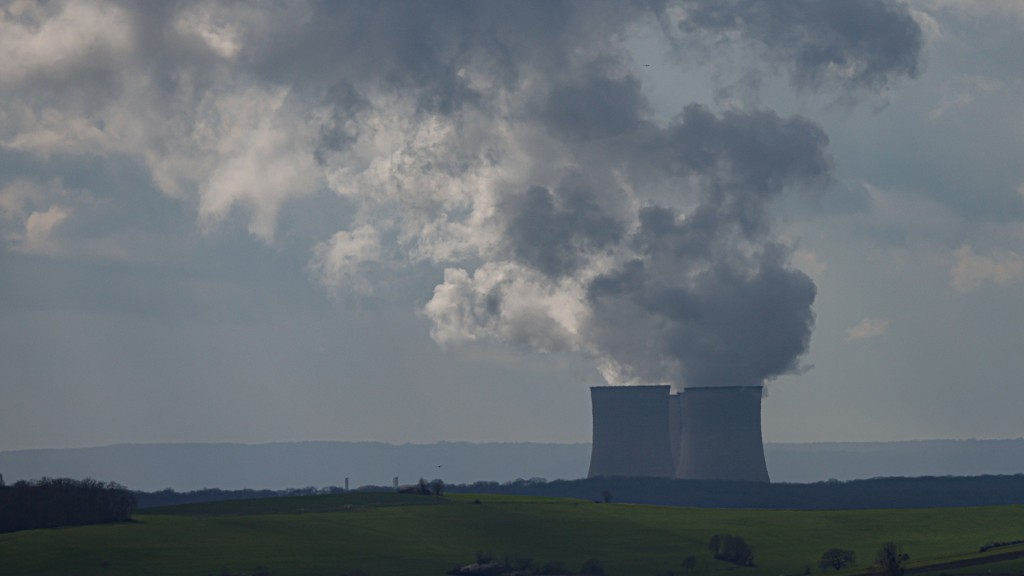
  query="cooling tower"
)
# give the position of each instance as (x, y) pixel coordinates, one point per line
(721, 434)
(675, 430)
(631, 431)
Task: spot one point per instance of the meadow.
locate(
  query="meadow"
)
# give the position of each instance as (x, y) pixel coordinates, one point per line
(395, 534)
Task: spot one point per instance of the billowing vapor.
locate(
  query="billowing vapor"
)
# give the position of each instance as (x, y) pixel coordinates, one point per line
(857, 45)
(510, 145)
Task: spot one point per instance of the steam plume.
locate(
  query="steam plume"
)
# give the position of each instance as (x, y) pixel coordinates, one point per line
(509, 144)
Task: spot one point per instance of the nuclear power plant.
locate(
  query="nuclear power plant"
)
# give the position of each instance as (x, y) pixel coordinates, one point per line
(633, 432)
(711, 433)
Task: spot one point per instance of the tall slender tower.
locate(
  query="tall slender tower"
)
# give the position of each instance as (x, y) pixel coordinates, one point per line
(721, 434)
(631, 431)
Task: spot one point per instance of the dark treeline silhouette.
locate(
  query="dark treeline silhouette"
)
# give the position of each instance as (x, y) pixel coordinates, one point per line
(896, 492)
(168, 497)
(52, 502)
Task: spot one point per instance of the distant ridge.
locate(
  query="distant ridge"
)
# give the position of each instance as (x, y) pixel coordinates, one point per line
(297, 464)
(300, 464)
(812, 462)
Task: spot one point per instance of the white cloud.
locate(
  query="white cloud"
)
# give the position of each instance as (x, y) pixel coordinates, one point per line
(970, 271)
(39, 227)
(213, 27)
(14, 197)
(903, 209)
(263, 154)
(30, 213)
(929, 25)
(34, 42)
(338, 262)
(507, 302)
(1013, 9)
(432, 181)
(809, 262)
(80, 80)
(868, 328)
(962, 92)
(54, 132)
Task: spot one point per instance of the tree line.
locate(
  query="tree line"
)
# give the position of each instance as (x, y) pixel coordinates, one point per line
(895, 492)
(52, 502)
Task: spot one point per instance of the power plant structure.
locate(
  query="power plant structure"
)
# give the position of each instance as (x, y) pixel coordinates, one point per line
(633, 434)
(711, 433)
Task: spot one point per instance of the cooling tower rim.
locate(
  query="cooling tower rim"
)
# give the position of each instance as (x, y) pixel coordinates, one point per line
(631, 387)
(701, 388)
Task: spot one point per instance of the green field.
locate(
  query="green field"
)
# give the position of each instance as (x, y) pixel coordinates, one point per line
(384, 534)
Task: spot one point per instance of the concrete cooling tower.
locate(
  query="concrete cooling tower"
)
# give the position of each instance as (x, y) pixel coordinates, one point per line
(721, 434)
(675, 428)
(631, 431)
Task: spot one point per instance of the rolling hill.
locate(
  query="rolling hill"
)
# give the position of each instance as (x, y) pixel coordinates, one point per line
(385, 534)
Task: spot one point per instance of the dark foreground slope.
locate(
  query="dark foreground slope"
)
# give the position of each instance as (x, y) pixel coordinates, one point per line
(385, 534)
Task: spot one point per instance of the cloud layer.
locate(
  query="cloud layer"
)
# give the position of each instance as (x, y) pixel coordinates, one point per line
(508, 145)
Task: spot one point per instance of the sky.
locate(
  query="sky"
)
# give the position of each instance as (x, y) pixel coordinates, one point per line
(418, 222)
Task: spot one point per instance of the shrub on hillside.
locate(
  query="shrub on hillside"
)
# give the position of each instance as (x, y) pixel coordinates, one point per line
(837, 559)
(732, 549)
(891, 559)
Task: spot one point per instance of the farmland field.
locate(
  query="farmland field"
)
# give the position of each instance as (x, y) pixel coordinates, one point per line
(385, 534)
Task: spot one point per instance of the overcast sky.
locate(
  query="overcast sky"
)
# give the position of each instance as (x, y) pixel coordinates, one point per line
(416, 222)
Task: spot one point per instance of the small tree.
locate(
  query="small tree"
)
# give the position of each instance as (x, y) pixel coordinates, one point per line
(837, 559)
(437, 487)
(715, 544)
(736, 550)
(891, 559)
(731, 549)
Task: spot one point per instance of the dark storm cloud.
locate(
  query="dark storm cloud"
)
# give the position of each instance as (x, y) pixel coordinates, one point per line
(337, 133)
(746, 150)
(598, 107)
(554, 232)
(417, 48)
(702, 293)
(710, 298)
(747, 158)
(728, 326)
(860, 44)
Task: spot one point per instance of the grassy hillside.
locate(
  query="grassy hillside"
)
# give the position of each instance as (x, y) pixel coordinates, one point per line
(382, 534)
